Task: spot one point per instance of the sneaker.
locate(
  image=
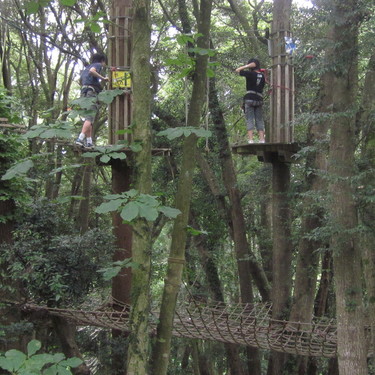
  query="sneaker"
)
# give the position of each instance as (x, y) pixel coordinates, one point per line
(250, 141)
(89, 145)
(78, 142)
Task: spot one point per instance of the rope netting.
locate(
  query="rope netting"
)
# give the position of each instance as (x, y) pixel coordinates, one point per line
(244, 324)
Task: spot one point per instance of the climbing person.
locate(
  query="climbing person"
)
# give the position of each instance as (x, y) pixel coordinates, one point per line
(90, 80)
(253, 99)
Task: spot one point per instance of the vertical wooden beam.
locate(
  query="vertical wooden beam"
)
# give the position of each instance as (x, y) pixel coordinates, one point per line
(119, 118)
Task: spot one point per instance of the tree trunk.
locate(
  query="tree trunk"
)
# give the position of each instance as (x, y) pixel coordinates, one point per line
(121, 284)
(247, 264)
(139, 342)
(248, 268)
(66, 333)
(84, 206)
(309, 248)
(184, 190)
(367, 210)
(206, 250)
(352, 348)
(282, 253)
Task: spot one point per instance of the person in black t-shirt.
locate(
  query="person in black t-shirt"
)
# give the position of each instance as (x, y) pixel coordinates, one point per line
(90, 81)
(253, 99)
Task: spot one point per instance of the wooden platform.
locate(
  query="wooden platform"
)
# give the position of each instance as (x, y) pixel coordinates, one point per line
(269, 152)
(126, 150)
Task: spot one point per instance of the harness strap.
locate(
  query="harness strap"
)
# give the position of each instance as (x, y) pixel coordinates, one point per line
(254, 92)
(88, 87)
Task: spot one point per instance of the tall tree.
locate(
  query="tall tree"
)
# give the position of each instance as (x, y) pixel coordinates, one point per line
(183, 197)
(352, 348)
(138, 351)
(367, 126)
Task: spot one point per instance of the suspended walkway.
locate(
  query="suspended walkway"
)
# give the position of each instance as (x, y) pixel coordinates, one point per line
(244, 324)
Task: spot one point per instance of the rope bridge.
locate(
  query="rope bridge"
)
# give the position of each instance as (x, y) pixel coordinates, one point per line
(244, 324)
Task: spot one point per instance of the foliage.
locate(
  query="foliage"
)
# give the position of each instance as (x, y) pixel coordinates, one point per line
(132, 205)
(54, 265)
(18, 363)
(116, 267)
(107, 153)
(185, 131)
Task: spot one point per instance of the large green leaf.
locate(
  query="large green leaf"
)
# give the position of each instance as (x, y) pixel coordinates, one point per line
(33, 346)
(20, 169)
(169, 211)
(107, 96)
(130, 211)
(112, 205)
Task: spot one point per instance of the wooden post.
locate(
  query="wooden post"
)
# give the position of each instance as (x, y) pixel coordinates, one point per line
(120, 44)
(282, 85)
(119, 118)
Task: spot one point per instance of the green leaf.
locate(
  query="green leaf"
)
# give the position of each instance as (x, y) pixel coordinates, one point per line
(118, 155)
(95, 27)
(68, 3)
(72, 362)
(136, 147)
(58, 357)
(51, 370)
(105, 158)
(148, 200)
(33, 346)
(124, 131)
(110, 273)
(20, 169)
(92, 154)
(149, 213)
(195, 232)
(32, 7)
(15, 358)
(112, 205)
(210, 73)
(169, 211)
(84, 103)
(130, 211)
(107, 96)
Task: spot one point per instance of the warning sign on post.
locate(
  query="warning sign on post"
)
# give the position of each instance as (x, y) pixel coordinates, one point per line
(121, 79)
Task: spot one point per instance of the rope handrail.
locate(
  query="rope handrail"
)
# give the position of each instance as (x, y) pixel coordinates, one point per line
(244, 324)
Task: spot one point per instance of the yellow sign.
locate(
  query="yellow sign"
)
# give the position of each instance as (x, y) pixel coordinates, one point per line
(121, 79)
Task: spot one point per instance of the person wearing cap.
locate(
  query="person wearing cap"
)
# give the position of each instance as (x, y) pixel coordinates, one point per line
(253, 99)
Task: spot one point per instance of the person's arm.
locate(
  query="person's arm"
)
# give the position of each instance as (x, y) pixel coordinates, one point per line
(94, 73)
(247, 66)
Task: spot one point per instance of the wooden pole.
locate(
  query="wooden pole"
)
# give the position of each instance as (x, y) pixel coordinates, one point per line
(119, 118)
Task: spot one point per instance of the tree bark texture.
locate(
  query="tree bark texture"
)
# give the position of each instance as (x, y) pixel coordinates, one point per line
(282, 253)
(309, 248)
(66, 333)
(121, 284)
(84, 205)
(206, 249)
(367, 210)
(139, 342)
(248, 267)
(183, 197)
(352, 348)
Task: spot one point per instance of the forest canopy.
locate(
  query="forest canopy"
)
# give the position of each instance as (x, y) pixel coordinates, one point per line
(164, 214)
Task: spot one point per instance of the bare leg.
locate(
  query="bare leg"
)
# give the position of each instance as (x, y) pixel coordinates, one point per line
(250, 135)
(87, 129)
(261, 136)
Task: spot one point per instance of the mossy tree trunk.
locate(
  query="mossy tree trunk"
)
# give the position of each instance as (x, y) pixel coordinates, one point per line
(183, 197)
(138, 351)
(352, 350)
(309, 247)
(367, 208)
